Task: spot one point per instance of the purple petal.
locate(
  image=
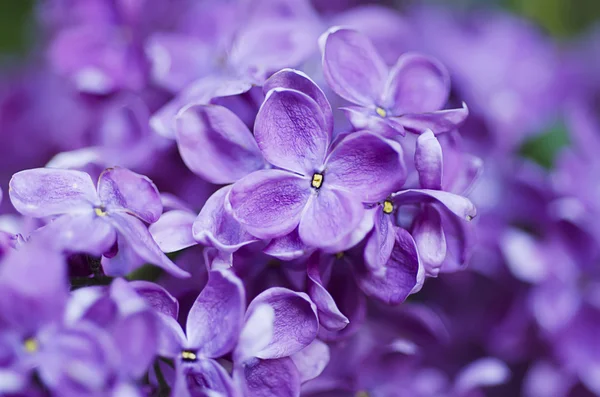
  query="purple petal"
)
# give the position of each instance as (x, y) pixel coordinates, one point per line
(43, 192)
(81, 233)
(312, 360)
(330, 216)
(157, 297)
(439, 122)
(431, 240)
(458, 205)
(400, 275)
(297, 80)
(215, 144)
(135, 239)
(352, 67)
(330, 317)
(271, 378)
(178, 60)
(257, 332)
(488, 371)
(217, 259)
(123, 190)
(416, 84)
(288, 247)
(171, 339)
(428, 161)
(366, 119)
(215, 320)
(295, 325)
(269, 203)
(380, 242)
(291, 131)
(204, 377)
(136, 336)
(163, 122)
(367, 166)
(173, 231)
(216, 227)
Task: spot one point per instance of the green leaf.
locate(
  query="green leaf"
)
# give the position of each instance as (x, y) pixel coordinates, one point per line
(543, 148)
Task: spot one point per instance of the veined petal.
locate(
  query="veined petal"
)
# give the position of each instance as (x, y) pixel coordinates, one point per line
(330, 216)
(215, 320)
(257, 332)
(429, 161)
(269, 203)
(401, 272)
(366, 166)
(295, 324)
(216, 227)
(270, 378)
(291, 131)
(312, 360)
(416, 84)
(458, 205)
(380, 242)
(44, 192)
(431, 240)
(215, 144)
(204, 377)
(296, 80)
(352, 66)
(123, 190)
(135, 237)
(439, 122)
(157, 297)
(81, 233)
(287, 247)
(173, 230)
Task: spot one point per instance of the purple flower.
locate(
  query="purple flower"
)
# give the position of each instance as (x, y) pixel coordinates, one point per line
(406, 98)
(91, 220)
(318, 187)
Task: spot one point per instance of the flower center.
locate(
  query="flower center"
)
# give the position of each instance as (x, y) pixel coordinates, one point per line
(30, 345)
(100, 210)
(189, 356)
(317, 180)
(361, 393)
(388, 207)
(339, 255)
(380, 111)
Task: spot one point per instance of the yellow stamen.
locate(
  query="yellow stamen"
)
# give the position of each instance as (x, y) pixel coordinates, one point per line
(317, 180)
(361, 393)
(388, 207)
(99, 211)
(188, 355)
(31, 345)
(469, 218)
(339, 255)
(380, 111)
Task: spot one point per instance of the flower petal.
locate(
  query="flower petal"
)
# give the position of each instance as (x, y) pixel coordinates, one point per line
(44, 192)
(416, 84)
(352, 67)
(380, 242)
(135, 239)
(216, 227)
(428, 161)
(401, 273)
(458, 205)
(204, 377)
(330, 317)
(439, 122)
(257, 332)
(215, 320)
(288, 247)
(269, 203)
(329, 217)
(173, 230)
(291, 131)
(270, 378)
(312, 360)
(136, 336)
(431, 240)
(295, 325)
(157, 297)
(215, 144)
(123, 190)
(81, 233)
(367, 166)
(296, 80)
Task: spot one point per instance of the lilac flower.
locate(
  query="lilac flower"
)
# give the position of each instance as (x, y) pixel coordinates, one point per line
(406, 98)
(91, 220)
(319, 187)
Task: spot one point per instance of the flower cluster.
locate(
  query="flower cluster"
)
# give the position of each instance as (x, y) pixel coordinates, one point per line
(237, 198)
